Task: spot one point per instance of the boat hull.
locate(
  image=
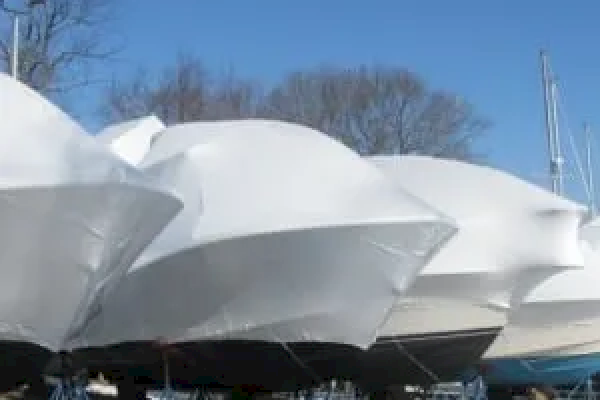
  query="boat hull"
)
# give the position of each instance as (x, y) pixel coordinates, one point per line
(549, 328)
(421, 315)
(22, 363)
(549, 370)
(268, 366)
(57, 243)
(327, 284)
(426, 358)
(62, 248)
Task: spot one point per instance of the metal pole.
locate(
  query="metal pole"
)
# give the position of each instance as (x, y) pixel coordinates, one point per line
(590, 172)
(15, 52)
(548, 117)
(557, 160)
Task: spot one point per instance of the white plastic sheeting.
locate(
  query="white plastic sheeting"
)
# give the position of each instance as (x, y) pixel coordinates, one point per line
(68, 209)
(511, 236)
(299, 239)
(131, 139)
(561, 316)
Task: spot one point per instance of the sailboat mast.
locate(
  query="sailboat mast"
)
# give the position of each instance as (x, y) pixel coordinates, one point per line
(551, 126)
(590, 176)
(557, 159)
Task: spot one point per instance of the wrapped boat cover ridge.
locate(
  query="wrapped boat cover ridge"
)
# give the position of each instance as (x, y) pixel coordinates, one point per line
(497, 215)
(236, 148)
(182, 177)
(575, 285)
(560, 315)
(58, 149)
(297, 238)
(131, 139)
(74, 218)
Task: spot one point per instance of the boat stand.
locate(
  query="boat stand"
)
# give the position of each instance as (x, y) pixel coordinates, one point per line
(167, 393)
(67, 389)
(586, 385)
(475, 389)
(199, 394)
(71, 386)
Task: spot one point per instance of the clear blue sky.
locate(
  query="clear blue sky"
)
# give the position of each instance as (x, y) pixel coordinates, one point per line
(486, 51)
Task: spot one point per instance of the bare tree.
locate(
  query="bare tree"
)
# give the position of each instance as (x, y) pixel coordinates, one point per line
(378, 110)
(373, 110)
(59, 41)
(134, 99)
(234, 98)
(185, 92)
